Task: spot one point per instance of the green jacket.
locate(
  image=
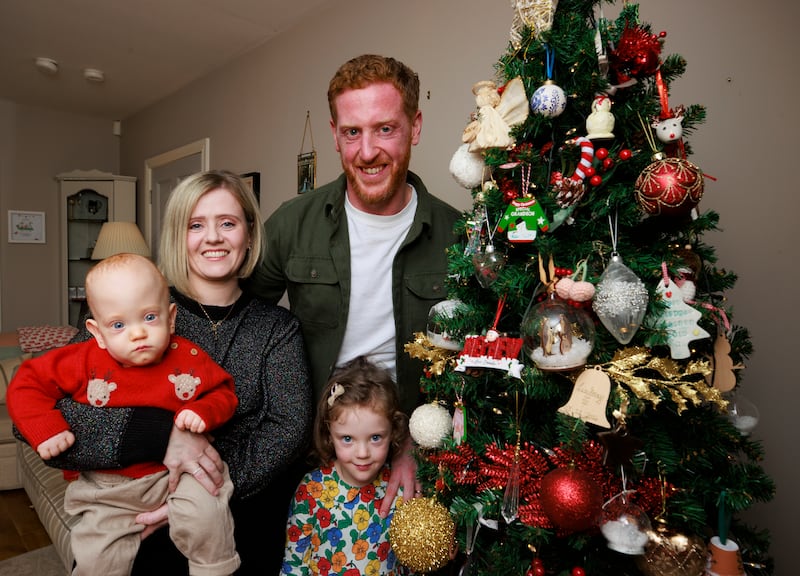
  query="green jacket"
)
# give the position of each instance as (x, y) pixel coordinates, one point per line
(308, 256)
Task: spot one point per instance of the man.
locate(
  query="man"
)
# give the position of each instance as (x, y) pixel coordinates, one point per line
(363, 258)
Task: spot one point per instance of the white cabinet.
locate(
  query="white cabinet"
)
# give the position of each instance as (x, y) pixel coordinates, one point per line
(86, 200)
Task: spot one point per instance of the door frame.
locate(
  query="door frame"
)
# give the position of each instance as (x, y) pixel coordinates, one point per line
(202, 147)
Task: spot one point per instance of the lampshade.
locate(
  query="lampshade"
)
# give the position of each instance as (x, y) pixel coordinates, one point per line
(118, 237)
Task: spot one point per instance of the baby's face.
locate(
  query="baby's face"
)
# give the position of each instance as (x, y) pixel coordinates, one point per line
(133, 316)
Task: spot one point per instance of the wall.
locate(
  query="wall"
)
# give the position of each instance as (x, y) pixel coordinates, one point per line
(36, 144)
(254, 113)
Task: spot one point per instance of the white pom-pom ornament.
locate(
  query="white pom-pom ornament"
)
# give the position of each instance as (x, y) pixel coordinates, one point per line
(467, 167)
(430, 424)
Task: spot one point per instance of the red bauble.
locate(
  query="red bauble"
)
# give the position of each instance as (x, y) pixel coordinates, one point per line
(671, 186)
(571, 499)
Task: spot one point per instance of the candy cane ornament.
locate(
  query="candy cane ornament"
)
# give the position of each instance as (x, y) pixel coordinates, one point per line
(569, 191)
(587, 155)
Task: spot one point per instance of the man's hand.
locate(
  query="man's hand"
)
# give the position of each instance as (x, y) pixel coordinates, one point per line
(153, 520)
(404, 473)
(193, 454)
(55, 445)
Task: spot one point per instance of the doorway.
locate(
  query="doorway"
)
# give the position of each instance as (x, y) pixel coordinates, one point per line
(161, 174)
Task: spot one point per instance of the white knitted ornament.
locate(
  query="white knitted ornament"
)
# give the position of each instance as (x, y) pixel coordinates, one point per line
(430, 424)
(467, 167)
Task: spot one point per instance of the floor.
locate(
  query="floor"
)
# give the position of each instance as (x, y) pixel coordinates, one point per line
(20, 529)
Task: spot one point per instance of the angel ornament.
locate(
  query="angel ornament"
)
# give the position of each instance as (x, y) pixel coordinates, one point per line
(497, 114)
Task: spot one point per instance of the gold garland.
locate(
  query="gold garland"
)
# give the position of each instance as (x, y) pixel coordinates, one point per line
(422, 349)
(632, 367)
(629, 363)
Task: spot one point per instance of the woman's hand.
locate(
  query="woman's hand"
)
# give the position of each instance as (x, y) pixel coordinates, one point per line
(189, 453)
(404, 473)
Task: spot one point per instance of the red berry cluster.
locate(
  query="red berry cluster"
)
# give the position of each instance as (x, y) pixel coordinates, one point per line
(605, 164)
(536, 569)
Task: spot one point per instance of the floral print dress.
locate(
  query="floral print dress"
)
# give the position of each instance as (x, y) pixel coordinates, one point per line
(335, 529)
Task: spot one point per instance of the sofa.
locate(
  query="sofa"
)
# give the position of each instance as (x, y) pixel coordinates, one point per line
(20, 465)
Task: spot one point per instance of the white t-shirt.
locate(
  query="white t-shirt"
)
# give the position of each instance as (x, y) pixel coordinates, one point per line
(374, 242)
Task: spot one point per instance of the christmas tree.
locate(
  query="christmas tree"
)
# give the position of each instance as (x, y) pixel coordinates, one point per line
(583, 374)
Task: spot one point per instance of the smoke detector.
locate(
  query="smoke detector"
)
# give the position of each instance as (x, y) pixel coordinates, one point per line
(94, 75)
(47, 65)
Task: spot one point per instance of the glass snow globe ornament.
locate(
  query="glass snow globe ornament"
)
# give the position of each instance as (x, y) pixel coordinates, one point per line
(436, 331)
(742, 413)
(620, 300)
(557, 336)
(625, 526)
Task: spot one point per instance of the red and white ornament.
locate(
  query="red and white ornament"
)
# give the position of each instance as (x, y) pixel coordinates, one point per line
(569, 191)
(669, 186)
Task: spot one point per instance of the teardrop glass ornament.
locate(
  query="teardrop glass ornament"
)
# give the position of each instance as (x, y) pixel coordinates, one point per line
(620, 300)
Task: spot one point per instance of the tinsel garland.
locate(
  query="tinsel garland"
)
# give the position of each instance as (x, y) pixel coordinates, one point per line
(490, 471)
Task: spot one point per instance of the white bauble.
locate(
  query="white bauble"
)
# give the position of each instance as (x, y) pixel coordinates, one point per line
(430, 424)
(549, 100)
(467, 167)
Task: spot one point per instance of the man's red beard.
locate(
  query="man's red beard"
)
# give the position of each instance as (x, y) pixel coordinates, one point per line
(389, 188)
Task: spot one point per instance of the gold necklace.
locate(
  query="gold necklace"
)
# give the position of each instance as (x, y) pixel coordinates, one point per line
(215, 325)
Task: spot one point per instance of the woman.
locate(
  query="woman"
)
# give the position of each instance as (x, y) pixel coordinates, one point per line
(211, 238)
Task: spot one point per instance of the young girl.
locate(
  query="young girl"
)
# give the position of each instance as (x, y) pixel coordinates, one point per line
(334, 526)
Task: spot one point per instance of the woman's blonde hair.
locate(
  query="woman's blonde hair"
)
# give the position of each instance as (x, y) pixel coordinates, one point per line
(173, 256)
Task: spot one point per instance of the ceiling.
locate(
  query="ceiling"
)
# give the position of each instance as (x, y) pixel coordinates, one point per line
(147, 49)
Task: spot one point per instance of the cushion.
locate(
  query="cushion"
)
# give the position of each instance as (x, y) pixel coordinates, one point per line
(8, 367)
(41, 338)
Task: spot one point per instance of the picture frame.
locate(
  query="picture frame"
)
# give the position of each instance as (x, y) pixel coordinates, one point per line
(26, 227)
(253, 179)
(306, 171)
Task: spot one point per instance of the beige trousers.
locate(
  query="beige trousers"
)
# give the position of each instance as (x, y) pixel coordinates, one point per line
(106, 539)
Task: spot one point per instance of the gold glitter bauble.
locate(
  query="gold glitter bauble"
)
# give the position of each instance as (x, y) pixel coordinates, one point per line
(670, 553)
(421, 533)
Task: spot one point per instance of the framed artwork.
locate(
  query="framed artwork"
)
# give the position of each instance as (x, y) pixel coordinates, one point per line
(253, 179)
(306, 171)
(26, 227)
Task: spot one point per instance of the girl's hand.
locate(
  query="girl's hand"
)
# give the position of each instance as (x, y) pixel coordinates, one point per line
(193, 454)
